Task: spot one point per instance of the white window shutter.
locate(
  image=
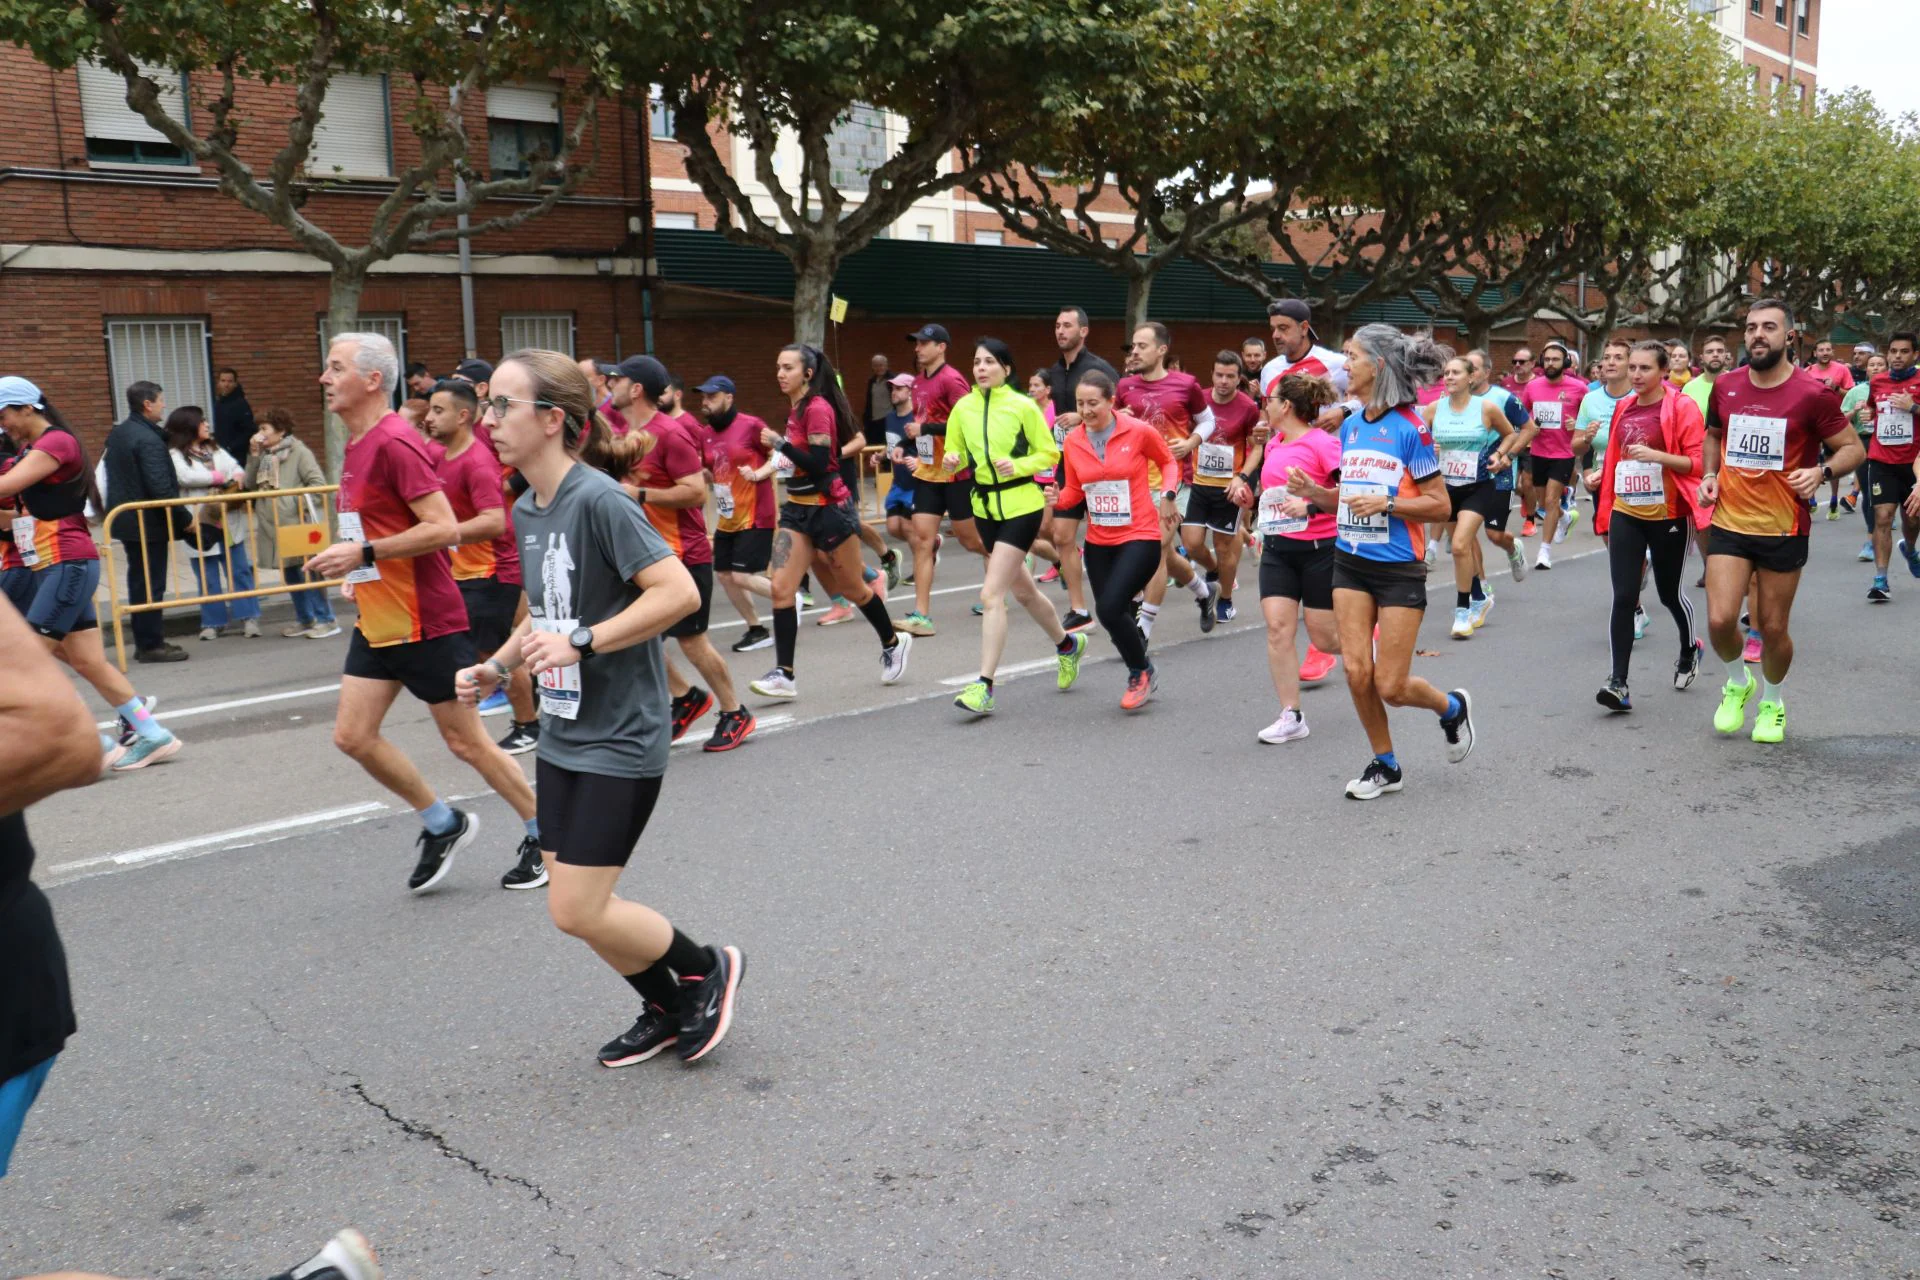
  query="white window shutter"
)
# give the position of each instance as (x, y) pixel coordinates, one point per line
(351, 139)
(103, 103)
(517, 102)
(540, 330)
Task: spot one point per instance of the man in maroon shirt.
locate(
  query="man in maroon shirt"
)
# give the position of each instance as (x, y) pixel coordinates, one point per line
(395, 527)
(937, 492)
(1892, 455)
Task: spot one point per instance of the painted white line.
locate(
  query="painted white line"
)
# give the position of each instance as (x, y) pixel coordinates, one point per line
(157, 852)
(1005, 673)
(762, 724)
(234, 704)
(901, 593)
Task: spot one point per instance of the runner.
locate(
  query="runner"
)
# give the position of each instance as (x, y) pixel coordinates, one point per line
(899, 503)
(937, 492)
(1001, 436)
(1481, 366)
(1475, 442)
(1103, 480)
(1595, 419)
(670, 482)
(1253, 358)
(743, 506)
(1296, 350)
(1649, 493)
(603, 586)
(1891, 463)
(1765, 424)
(53, 567)
(817, 520)
(1553, 401)
(1173, 404)
(1390, 483)
(1859, 411)
(1070, 329)
(1296, 538)
(395, 525)
(485, 562)
(1219, 455)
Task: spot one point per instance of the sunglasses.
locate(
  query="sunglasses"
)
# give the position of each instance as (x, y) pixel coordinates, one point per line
(499, 404)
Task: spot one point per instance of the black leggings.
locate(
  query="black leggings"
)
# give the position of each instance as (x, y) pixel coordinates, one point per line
(1629, 542)
(1118, 573)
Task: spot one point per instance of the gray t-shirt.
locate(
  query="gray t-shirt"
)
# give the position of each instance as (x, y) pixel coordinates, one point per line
(607, 715)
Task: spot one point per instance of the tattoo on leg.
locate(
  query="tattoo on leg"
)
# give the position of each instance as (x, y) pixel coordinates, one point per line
(782, 548)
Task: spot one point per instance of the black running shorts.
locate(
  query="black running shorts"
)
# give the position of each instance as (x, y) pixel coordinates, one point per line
(491, 605)
(1392, 584)
(1545, 469)
(1482, 499)
(1888, 483)
(1787, 554)
(425, 667)
(1017, 531)
(695, 623)
(825, 525)
(743, 551)
(1298, 568)
(952, 499)
(590, 819)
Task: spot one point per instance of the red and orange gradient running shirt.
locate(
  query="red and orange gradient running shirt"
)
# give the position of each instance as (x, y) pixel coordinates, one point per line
(383, 472)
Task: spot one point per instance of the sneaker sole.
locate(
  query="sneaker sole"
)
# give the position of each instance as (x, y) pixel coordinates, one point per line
(1607, 699)
(1372, 795)
(500, 710)
(1088, 625)
(1276, 742)
(757, 644)
(158, 754)
(519, 750)
(531, 884)
(1466, 725)
(735, 971)
(761, 691)
(635, 1060)
(446, 863)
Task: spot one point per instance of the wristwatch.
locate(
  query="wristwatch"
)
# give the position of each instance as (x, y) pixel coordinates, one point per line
(366, 553)
(582, 640)
(1390, 500)
(1826, 472)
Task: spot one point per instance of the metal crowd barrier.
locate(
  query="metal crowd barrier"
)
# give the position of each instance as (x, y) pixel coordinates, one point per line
(115, 581)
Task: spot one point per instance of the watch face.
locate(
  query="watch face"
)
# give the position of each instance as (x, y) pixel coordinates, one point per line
(581, 639)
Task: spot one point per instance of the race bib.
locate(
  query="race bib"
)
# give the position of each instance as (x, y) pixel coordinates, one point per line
(1110, 504)
(559, 686)
(23, 541)
(783, 466)
(1362, 529)
(1547, 414)
(1272, 520)
(1460, 466)
(723, 502)
(1640, 483)
(925, 445)
(1214, 461)
(1757, 444)
(350, 531)
(1895, 426)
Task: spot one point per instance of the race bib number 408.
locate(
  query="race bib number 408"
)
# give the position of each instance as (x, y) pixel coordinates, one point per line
(1755, 443)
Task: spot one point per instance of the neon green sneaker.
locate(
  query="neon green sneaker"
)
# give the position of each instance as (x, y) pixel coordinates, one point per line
(1770, 722)
(1070, 662)
(1732, 713)
(977, 698)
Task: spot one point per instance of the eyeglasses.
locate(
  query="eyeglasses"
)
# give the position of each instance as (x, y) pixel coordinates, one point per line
(499, 404)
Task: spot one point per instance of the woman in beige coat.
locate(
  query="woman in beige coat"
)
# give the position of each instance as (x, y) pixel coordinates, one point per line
(276, 459)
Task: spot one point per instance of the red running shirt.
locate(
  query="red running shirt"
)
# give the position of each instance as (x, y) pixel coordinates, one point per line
(473, 482)
(1768, 433)
(1118, 496)
(673, 457)
(383, 472)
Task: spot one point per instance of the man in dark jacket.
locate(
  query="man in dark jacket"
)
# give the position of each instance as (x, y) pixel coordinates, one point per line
(233, 424)
(138, 470)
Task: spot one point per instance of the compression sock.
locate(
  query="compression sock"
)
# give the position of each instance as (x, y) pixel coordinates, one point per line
(1769, 690)
(533, 828)
(688, 958)
(1478, 592)
(875, 611)
(1454, 707)
(1198, 586)
(1388, 759)
(786, 635)
(656, 985)
(135, 713)
(437, 818)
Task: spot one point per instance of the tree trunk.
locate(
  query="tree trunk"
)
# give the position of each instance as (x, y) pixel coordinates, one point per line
(1139, 290)
(343, 314)
(1479, 333)
(812, 292)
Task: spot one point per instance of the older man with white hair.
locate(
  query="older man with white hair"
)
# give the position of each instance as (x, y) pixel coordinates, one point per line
(395, 527)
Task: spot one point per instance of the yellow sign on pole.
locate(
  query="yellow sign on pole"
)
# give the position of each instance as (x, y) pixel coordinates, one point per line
(838, 311)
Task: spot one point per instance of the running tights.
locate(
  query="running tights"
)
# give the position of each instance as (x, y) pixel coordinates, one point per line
(1118, 573)
(1630, 540)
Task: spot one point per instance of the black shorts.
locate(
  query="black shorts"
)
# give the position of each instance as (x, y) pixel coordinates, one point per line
(1888, 482)
(1482, 499)
(1209, 508)
(826, 525)
(491, 605)
(62, 600)
(590, 819)
(425, 667)
(952, 499)
(1015, 531)
(1545, 469)
(1075, 512)
(1786, 554)
(1299, 569)
(1393, 585)
(743, 551)
(695, 623)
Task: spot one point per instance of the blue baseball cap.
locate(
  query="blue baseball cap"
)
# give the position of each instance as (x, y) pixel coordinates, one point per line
(717, 383)
(15, 391)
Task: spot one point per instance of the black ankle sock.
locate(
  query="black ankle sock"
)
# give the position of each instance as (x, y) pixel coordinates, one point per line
(786, 635)
(687, 958)
(656, 984)
(987, 681)
(1461, 599)
(1065, 645)
(880, 620)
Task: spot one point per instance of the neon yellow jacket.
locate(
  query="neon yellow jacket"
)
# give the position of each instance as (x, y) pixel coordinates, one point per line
(989, 427)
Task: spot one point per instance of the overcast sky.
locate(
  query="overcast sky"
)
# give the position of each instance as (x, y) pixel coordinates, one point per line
(1866, 44)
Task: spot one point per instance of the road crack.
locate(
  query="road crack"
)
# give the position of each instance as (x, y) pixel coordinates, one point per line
(414, 1129)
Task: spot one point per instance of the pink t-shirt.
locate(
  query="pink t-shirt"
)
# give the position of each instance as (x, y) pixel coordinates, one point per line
(1554, 406)
(1318, 454)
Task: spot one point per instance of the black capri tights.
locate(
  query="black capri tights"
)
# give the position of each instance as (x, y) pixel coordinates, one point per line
(1630, 540)
(1118, 574)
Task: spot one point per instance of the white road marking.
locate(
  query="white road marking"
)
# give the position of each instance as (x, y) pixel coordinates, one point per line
(219, 839)
(1005, 673)
(183, 713)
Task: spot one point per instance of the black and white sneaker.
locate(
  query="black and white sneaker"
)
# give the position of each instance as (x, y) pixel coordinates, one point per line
(1074, 621)
(753, 638)
(1206, 606)
(1374, 781)
(528, 873)
(436, 852)
(347, 1256)
(521, 738)
(1613, 695)
(706, 1004)
(1459, 729)
(650, 1033)
(1689, 665)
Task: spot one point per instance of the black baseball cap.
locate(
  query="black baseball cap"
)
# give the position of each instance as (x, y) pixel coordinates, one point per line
(929, 333)
(1294, 309)
(718, 383)
(646, 372)
(474, 371)
(605, 368)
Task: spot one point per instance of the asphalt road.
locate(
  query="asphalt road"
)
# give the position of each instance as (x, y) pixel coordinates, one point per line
(1060, 993)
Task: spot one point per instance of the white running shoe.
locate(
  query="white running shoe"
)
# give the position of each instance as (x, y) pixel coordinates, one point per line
(1290, 727)
(1545, 559)
(1463, 624)
(1517, 560)
(775, 684)
(893, 662)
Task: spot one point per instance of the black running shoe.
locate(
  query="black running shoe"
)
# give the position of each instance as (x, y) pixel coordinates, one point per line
(1075, 621)
(688, 708)
(730, 730)
(706, 1004)
(1374, 781)
(1206, 605)
(753, 638)
(651, 1032)
(1613, 695)
(530, 872)
(1459, 729)
(1689, 665)
(521, 738)
(436, 852)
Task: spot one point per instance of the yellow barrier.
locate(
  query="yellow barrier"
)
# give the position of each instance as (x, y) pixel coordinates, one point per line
(224, 500)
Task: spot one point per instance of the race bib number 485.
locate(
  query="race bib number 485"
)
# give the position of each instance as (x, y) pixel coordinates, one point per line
(1755, 443)
(1895, 426)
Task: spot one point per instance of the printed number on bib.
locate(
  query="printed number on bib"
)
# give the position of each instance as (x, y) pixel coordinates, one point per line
(1460, 466)
(23, 541)
(926, 444)
(783, 466)
(1895, 426)
(351, 531)
(1110, 504)
(1547, 414)
(559, 686)
(1214, 461)
(1640, 483)
(1755, 443)
(1358, 529)
(723, 503)
(1272, 520)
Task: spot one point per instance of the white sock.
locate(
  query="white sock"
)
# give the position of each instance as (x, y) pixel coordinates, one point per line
(1198, 586)
(1769, 691)
(1737, 672)
(1148, 612)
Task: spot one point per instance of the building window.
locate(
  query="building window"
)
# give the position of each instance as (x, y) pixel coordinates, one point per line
(989, 237)
(1800, 15)
(923, 231)
(542, 330)
(659, 114)
(676, 221)
(1780, 12)
(1777, 82)
(168, 350)
(391, 327)
(116, 133)
(523, 125)
(1754, 6)
(1705, 8)
(353, 138)
(1800, 91)
(856, 146)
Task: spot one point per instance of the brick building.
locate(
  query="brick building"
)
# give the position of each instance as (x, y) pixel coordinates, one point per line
(1777, 40)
